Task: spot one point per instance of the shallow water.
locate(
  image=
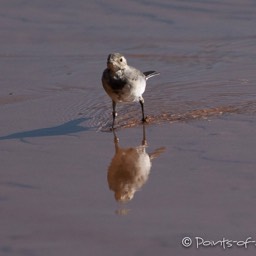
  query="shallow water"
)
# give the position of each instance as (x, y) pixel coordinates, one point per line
(55, 154)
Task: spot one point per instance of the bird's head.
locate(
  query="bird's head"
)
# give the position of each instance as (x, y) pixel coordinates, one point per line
(116, 61)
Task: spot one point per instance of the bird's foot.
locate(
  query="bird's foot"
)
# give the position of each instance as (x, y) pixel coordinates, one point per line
(144, 120)
(144, 143)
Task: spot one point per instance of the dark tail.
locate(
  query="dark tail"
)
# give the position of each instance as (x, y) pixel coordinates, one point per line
(149, 74)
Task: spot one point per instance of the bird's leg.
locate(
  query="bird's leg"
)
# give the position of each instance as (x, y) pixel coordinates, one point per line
(116, 141)
(142, 109)
(114, 113)
(144, 140)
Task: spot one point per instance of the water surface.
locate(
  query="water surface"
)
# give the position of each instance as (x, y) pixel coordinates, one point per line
(55, 152)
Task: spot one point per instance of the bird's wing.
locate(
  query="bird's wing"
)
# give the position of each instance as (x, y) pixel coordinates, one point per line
(132, 74)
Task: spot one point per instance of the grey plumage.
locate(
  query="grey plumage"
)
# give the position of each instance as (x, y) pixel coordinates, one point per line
(124, 83)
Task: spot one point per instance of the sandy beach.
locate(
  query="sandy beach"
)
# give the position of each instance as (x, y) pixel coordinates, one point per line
(192, 165)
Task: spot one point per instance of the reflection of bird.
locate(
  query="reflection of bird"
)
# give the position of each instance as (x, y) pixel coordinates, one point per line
(124, 83)
(129, 169)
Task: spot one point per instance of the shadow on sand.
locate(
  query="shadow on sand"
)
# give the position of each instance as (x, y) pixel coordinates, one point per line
(68, 128)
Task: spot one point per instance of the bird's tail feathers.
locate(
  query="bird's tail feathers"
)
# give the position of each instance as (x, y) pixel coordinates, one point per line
(149, 74)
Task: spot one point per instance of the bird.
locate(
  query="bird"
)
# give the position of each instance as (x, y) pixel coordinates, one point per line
(124, 83)
(130, 167)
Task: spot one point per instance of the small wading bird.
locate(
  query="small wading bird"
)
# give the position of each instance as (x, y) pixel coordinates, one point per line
(124, 83)
(130, 168)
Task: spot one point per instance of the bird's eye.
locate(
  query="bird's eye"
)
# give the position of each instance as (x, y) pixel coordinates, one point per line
(121, 59)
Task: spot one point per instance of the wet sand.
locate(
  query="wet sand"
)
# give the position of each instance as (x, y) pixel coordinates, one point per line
(194, 163)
